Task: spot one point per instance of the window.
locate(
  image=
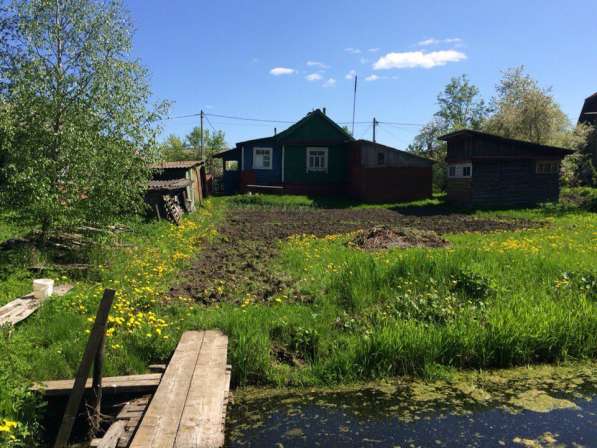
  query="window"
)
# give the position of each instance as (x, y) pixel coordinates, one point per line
(547, 167)
(460, 170)
(317, 159)
(381, 158)
(231, 165)
(262, 158)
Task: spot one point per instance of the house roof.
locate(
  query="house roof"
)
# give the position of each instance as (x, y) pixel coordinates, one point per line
(224, 153)
(528, 145)
(407, 153)
(175, 165)
(285, 134)
(589, 110)
(168, 185)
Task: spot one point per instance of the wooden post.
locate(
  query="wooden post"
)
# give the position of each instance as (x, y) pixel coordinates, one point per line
(93, 345)
(95, 405)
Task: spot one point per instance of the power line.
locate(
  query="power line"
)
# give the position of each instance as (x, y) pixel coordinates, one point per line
(263, 120)
(209, 122)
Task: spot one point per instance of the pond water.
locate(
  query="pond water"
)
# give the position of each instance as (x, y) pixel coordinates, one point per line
(537, 407)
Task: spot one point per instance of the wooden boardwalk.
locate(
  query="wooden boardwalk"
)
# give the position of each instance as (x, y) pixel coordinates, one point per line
(189, 407)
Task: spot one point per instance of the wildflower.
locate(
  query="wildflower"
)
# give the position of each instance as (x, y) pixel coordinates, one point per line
(7, 425)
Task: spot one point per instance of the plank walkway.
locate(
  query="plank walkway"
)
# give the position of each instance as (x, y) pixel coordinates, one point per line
(189, 407)
(121, 431)
(20, 309)
(146, 383)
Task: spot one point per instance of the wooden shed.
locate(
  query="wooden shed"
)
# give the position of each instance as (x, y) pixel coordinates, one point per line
(191, 170)
(486, 170)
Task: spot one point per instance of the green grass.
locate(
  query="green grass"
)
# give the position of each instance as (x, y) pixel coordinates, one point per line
(488, 300)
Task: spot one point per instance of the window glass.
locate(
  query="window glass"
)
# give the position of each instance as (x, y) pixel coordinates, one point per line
(317, 159)
(262, 158)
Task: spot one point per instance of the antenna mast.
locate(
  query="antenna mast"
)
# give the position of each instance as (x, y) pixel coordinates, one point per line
(354, 102)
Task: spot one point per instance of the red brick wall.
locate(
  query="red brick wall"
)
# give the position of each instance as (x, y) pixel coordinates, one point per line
(391, 184)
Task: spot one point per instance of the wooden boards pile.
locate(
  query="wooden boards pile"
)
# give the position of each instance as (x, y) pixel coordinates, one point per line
(21, 308)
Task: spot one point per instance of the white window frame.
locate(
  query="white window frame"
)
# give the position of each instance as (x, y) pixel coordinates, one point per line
(459, 170)
(321, 169)
(550, 163)
(260, 166)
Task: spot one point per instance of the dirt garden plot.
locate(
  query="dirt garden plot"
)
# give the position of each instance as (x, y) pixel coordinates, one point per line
(249, 239)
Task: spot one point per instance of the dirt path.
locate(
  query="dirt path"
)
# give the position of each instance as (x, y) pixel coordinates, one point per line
(249, 240)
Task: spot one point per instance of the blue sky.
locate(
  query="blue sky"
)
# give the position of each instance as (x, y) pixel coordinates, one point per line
(281, 59)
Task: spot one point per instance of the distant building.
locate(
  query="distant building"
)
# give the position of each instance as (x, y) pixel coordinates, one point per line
(315, 156)
(488, 170)
(589, 115)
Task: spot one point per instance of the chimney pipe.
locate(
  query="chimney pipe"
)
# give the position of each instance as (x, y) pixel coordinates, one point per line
(324, 111)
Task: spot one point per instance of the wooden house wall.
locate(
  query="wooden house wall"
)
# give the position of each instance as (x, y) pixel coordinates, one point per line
(512, 183)
(295, 165)
(272, 176)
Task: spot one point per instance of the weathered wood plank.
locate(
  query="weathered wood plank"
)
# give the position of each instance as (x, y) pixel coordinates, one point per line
(160, 423)
(20, 309)
(117, 384)
(111, 437)
(201, 425)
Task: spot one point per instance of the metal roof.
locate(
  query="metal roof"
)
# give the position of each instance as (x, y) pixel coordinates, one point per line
(173, 184)
(176, 165)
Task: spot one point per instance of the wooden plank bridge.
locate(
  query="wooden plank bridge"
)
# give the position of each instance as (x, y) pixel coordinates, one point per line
(188, 408)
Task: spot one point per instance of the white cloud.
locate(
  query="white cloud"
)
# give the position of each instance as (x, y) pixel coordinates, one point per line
(351, 74)
(278, 71)
(313, 77)
(352, 50)
(427, 42)
(373, 77)
(373, 50)
(414, 59)
(331, 82)
(317, 64)
(434, 41)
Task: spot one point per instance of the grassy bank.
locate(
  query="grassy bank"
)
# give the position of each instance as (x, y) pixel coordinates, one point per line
(488, 300)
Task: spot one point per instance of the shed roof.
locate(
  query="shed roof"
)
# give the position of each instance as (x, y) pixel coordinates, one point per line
(406, 153)
(528, 145)
(589, 110)
(176, 165)
(168, 185)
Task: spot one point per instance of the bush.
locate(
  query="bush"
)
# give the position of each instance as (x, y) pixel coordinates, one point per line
(584, 198)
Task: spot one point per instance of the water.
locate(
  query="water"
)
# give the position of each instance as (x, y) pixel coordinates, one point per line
(547, 407)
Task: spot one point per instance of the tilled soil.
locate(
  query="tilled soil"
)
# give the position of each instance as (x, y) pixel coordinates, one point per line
(248, 241)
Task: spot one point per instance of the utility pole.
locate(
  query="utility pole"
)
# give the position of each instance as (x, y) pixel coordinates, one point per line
(375, 123)
(201, 115)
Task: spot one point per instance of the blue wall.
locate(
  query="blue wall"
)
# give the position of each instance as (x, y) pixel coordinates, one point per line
(264, 177)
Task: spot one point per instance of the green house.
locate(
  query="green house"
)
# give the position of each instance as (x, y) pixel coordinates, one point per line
(315, 156)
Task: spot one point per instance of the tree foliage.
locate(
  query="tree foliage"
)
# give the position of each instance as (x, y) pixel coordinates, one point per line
(174, 148)
(81, 134)
(460, 106)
